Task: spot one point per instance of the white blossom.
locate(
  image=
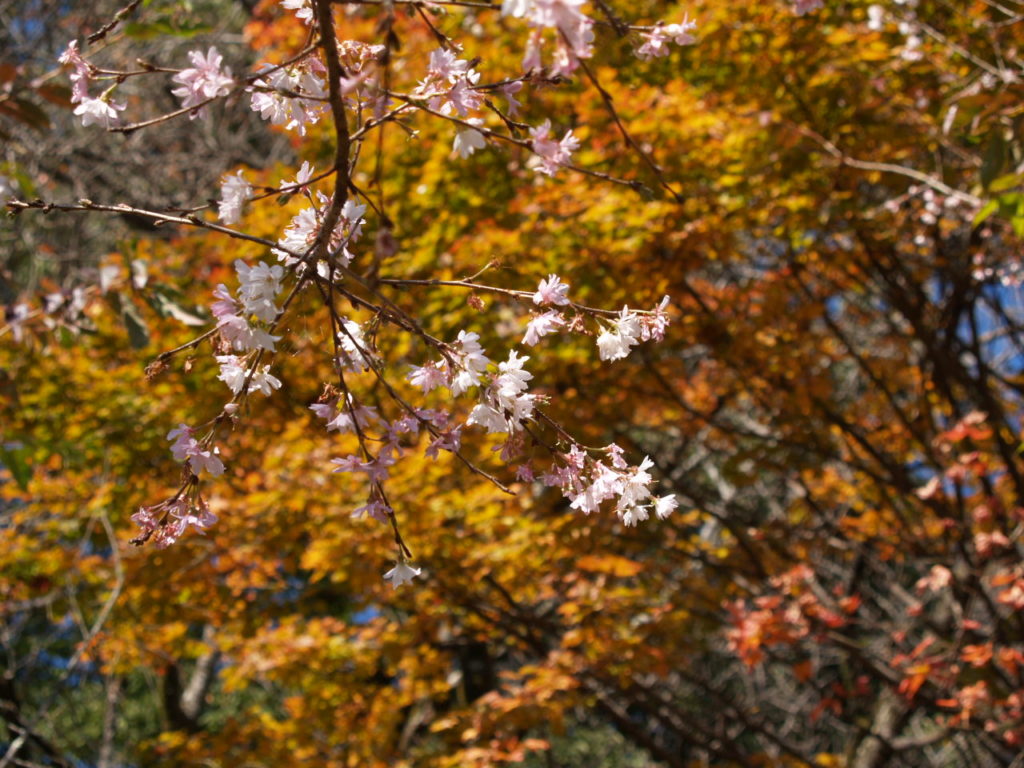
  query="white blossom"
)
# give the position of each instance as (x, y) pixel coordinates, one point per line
(401, 574)
(234, 191)
(469, 140)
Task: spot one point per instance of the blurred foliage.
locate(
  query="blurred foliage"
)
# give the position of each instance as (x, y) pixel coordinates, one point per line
(847, 328)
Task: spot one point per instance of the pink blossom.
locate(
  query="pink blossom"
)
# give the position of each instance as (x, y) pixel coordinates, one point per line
(939, 577)
(80, 76)
(617, 456)
(509, 90)
(802, 7)
(542, 325)
(301, 179)
(273, 96)
(243, 336)
(258, 287)
(574, 31)
(446, 441)
(616, 343)
(344, 418)
(524, 473)
(376, 470)
(376, 509)
(445, 65)
(203, 81)
(657, 39)
(552, 154)
(16, 317)
(234, 371)
(186, 448)
(462, 98)
(428, 377)
(552, 291)
(653, 326)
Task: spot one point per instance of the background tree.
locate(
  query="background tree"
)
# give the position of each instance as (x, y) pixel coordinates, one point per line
(836, 407)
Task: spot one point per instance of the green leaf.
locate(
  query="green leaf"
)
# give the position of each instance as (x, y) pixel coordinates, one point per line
(166, 306)
(994, 160)
(1007, 182)
(987, 210)
(15, 460)
(138, 334)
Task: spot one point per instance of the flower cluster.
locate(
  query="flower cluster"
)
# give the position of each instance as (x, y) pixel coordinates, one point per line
(102, 111)
(574, 32)
(587, 483)
(195, 453)
(168, 520)
(657, 39)
(449, 86)
(258, 288)
(304, 229)
(506, 403)
(203, 81)
(295, 95)
(292, 96)
(235, 373)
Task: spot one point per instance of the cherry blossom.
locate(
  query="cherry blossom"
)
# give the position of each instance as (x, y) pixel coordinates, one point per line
(876, 18)
(616, 343)
(506, 402)
(301, 179)
(551, 154)
(304, 228)
(80, 75)
(552, 291)
(233, 372)
(446, 441)
(665, 505)
(294, 113)
(303, 10)
(347, 417)
(294, 96)
(376, 470)
(355, 354)
(657, 39)
(234, 191)
(427, 377)
(401, 574)
(450, 85)
(653, 325)
(542, 325)
(236, 328)
(509, 91)
(186, 448)
(203, 81)
(258, 288)
(15, 317)
(573, 30)
(376, 509)
(469, 140)
(472, 363)
(98, 112)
